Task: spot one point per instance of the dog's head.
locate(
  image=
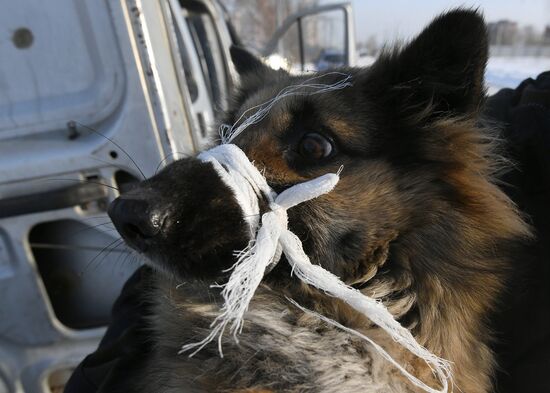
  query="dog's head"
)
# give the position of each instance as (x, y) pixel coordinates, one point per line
(415, 206)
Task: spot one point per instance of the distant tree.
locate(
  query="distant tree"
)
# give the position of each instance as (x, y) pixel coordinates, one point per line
(256, 20)
(372, 45)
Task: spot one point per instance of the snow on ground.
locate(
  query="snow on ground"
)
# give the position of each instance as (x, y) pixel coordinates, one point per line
(501, 72)
(365, 61)
(510, 71)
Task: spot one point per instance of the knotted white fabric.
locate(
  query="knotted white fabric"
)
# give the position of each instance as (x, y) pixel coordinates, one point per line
(270, 238)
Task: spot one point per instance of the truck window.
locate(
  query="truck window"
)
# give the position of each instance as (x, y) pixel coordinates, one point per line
(208, 50)
(187, 69)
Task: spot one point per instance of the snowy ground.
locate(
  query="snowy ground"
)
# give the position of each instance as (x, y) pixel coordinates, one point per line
(501, 71)
(365, 61)
(510, 71)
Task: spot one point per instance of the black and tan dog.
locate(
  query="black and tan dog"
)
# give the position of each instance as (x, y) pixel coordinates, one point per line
(416, 221)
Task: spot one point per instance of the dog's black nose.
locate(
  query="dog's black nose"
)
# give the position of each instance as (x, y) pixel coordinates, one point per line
(137, 220)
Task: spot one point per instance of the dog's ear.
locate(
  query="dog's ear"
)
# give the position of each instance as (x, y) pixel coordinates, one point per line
(439, 73)
(253, 72)
(246, 63)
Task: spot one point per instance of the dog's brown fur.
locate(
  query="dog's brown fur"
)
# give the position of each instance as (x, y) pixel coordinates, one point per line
(416, 221)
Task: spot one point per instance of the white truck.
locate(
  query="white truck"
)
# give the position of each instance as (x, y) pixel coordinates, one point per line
(94, 96)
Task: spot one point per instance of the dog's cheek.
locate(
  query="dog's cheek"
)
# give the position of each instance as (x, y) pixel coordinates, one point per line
(377, 254)
(360, 255)
(345, 238)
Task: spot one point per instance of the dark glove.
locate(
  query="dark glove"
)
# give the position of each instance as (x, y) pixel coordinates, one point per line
(124, 341)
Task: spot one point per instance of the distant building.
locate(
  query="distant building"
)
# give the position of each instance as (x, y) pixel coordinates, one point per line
(546, 35)
(255, 21)
(503, 32)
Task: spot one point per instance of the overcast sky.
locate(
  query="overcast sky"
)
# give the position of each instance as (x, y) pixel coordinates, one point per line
(391, 19)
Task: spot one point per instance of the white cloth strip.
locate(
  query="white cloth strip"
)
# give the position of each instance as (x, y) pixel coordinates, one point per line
(271, 237)
(310, 86)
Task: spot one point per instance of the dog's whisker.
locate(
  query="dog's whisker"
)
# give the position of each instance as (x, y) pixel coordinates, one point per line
(100, 252)
(84, 182)
(89, 228)
(69, 247)
(109, 251)
(166, 158)
(109, 163)
(114, 143)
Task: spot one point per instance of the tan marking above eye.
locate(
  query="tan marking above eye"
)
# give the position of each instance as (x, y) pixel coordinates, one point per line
(266, 155)
(342, 128)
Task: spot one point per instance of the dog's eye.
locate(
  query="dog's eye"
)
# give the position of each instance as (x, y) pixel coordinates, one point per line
(315, 146)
